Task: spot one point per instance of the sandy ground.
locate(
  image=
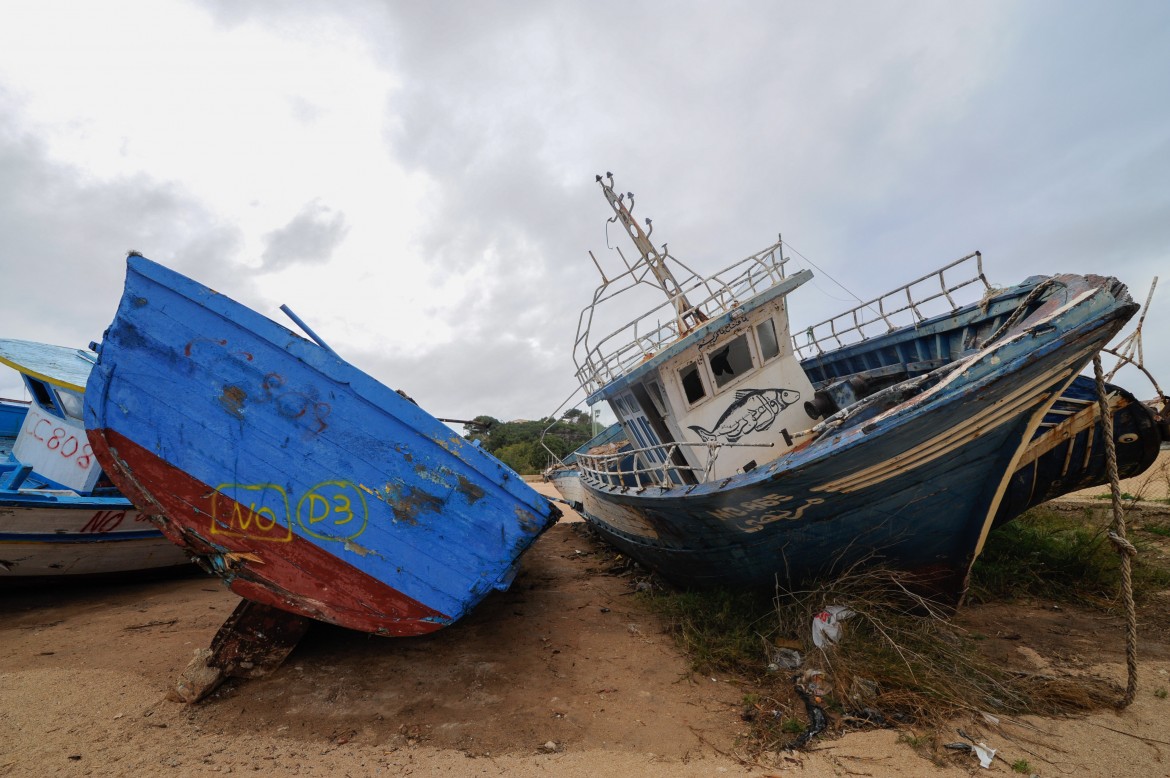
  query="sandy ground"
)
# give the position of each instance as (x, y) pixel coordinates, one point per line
(566, 674)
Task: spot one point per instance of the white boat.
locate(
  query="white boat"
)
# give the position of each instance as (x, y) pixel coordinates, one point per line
(59, 514)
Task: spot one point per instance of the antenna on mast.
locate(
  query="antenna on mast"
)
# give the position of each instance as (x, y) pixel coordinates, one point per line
(651, 257)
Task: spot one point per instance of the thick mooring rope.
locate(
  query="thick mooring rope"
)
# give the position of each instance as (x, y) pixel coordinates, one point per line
(1125, 549)
(1020, 310)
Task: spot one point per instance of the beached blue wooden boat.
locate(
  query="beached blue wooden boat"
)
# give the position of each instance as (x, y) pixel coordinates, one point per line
(303, 482)
(887, 434)
(58, 515)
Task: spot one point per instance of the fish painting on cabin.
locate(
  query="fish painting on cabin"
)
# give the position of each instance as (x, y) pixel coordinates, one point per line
(753, 410)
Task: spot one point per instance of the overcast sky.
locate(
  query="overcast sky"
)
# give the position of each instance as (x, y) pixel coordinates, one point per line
(416, 180)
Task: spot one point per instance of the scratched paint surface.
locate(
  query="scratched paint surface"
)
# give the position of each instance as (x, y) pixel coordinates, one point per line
(311, 469)
(294, 574)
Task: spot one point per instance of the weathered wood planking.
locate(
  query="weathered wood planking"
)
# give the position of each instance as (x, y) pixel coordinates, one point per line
(305, 483)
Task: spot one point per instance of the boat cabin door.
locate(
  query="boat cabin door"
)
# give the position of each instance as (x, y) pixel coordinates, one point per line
(642, 431)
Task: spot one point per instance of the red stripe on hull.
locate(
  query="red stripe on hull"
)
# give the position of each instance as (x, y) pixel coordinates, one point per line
(294, 575)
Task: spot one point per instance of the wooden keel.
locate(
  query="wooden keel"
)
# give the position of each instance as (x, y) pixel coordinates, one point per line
(253, 642)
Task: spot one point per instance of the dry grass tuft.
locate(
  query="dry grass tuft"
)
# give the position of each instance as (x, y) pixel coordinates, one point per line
(901, 656)
(901, 661)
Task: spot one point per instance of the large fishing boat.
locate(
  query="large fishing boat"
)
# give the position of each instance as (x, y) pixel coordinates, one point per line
(888, 434)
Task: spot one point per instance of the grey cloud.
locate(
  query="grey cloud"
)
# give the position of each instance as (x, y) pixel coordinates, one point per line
(484, 373)
(64, 238)
(310, 237)
(883, 140)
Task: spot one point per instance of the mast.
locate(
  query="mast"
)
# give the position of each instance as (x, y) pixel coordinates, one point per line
(651, 257)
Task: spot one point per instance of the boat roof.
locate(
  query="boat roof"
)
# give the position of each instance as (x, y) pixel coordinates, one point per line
(781, 289)
(60, 366)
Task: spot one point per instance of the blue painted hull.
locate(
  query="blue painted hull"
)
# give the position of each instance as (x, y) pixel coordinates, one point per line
(914, 482)
(11, 417)
(1068, 453)
(1069, 456)
(305, 483)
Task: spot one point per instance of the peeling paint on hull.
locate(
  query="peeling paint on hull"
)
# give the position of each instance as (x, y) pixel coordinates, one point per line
(915, 483)
(302, 577)
(304, 483)
(1068, 454)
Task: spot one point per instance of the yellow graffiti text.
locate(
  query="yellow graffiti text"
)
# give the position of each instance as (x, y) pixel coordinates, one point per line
(333, 510)
(253, 511)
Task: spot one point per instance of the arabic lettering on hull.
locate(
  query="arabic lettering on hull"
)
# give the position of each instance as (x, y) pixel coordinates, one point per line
(753, 410)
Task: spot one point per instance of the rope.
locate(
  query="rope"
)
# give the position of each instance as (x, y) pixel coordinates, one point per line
(1125, 549)
(1020, 310)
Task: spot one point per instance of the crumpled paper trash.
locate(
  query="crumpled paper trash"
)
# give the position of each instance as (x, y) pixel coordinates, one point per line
(826, 625)
(985, 754)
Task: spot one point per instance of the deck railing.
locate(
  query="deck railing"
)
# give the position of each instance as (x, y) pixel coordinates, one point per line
(893, 310)
(663, 471)
(638, 340)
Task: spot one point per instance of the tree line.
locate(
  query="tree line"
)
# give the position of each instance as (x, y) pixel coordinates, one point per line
(518, 445)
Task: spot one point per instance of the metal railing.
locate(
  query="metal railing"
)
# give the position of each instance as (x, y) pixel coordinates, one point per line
(893, 310)
(638, 340)
(664, 471)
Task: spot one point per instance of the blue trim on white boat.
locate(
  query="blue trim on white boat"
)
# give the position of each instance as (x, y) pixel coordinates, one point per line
(32, 499)
(73, 537)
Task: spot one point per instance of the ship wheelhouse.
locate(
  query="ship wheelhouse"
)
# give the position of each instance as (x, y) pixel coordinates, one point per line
(724, 398)
(711, 382)
(703, 389)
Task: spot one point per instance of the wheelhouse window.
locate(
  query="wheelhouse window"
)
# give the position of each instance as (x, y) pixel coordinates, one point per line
(731, 361)
(42, 394)
(71, 403)
(692, 383)
(769, 345)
